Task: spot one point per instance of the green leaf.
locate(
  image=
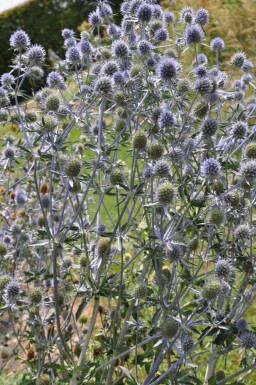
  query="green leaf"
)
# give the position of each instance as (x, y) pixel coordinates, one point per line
(82, 306)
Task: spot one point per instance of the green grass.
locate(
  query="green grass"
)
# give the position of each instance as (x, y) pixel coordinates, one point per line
(13, 379)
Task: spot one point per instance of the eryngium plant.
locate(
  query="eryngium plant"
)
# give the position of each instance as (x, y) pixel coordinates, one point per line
(128, 204)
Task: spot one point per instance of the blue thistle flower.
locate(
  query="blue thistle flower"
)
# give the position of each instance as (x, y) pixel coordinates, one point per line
(144, 13)
(201, 59)
(212, 97)
(144, 48)
(4, 116)
(70, 42)
(104, 10)
(94, 19)
(169, 17)
(114, 31)
(147, 172)
(20, 197)
(155, 25)
(203, 85)
(209, 127)
(36, 73)
(157, 11)
(213, 71)
(217, 44)
(193, 34)
(238, 59)
(118, 78)
(103, 86)
(134, 6)
(151, 62)
(237, 84)
(246, 79)
(221, 79)
(210, 168)
(247, 66)
(251, 109)
(54, 79)
(96, 68)
(120, 49)
(187, 15)
(124, 8)
(166, 119)
(248, 340)
(85, 47)
(67, 33)
(202, 16)
(12, 289)
(248, 171)
(101, 228)
(241, 323)
(73, 55)
(200, 71)
(109, 68)
(168, 69)
(238, 129)
(9, 152)
(156, 112)
(36, 55)
(19, 40)
(7, 80)
(127, 25)
(161, 34)
(161, 169)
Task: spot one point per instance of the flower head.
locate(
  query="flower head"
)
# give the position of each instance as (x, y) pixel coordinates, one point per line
(7, 80)
(95, 19)
(210, 168)
(19, 40)
(73, 55)
(144, 48)
(67, 33)
(36, 54)
(144, 13)
(169, 69)
(161, 34)
(248, 340)
(238, 59)
(248, 171)
(193, 34)
(202, 16)
(217, 44)
(187, 15)
(169, 17)
(54, 79)
(103, 85)
(120, 49)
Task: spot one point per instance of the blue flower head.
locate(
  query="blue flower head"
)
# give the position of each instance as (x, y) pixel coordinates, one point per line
(168, 69)
(54, 79)
(193, 34)
(217, 44)
(67, 33)
(19, 40)
(202, 16)
(210, 168)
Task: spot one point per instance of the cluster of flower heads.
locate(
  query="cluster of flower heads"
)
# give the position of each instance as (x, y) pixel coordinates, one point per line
(149, 119)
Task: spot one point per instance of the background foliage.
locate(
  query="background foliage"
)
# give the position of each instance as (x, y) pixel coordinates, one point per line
(44, 21)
